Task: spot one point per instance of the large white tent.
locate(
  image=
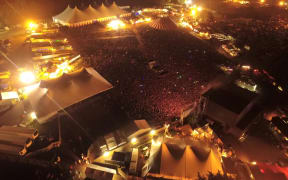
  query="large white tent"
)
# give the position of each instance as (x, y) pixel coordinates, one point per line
(114, 8)
(75, 17)
(92, 12)
(63, 14)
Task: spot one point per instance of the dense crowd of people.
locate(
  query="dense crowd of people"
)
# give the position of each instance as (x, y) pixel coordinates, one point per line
(142, 92)
(183, 68)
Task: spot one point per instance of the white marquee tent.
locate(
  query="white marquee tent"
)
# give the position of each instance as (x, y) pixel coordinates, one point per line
(76, 17)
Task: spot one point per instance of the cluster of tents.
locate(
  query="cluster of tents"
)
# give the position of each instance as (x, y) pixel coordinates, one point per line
(77, 17)
(175, 159)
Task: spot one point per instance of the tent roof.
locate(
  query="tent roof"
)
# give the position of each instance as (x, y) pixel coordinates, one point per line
(76, 16)
(63, 14)
(163, 24)
(87, 84)
(72, 16)
(105, 12)
(172, 161)
(115, 9)
(92, 13)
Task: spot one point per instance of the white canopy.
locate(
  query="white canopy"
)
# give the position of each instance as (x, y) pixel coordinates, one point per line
(77, 17)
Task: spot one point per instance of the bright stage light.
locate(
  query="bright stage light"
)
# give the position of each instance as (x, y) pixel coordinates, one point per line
(147, 19)
(33, 115)
(281, 3)
(188, 2)
(156, 143)
(27, 77)
(106, 154)
(193, 12)
(262, 1)
(199, 8)
(31, 25)
(134, 140)
(152, 132)
(116, 24)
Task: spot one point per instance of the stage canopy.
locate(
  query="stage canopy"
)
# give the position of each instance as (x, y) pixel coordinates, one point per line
(65, 92)
(76, 17)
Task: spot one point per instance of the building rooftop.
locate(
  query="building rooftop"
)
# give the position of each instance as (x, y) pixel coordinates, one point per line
(231, 97)
(66, 92)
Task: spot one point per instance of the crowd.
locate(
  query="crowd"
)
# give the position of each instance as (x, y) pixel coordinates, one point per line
(139, 91)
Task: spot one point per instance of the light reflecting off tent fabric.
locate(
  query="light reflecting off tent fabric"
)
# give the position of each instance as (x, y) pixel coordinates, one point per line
(76, 17)
(163, 24)
(185, 166)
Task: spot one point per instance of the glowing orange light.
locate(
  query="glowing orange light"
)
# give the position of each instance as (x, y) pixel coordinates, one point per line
(31, 25)
(193, 12)
(116, 24)
(27, 77)
(199, 8)
(134, 140)
(106, 153)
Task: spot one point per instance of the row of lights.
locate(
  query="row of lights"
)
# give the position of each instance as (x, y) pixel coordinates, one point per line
(280, 3)
(195, 9)
(116, 24)
(133, 141)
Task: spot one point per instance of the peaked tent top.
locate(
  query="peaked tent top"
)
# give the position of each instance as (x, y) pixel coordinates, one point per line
(163, 24)
(184, 162)
(92, 12)
(74, 15)
(116, 9)
(64, 13)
